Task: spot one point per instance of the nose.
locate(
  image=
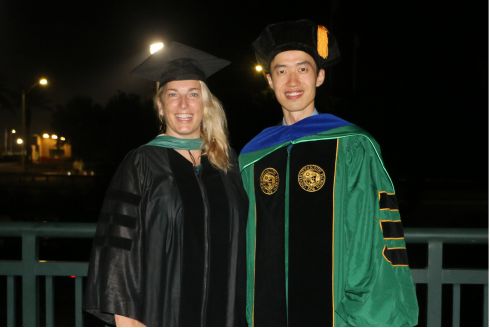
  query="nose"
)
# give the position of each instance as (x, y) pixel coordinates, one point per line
(183, 102)
(292, 79)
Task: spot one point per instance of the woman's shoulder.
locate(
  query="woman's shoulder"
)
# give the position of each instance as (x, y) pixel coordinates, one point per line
(146, 151)
(233, 155)
(142, 156)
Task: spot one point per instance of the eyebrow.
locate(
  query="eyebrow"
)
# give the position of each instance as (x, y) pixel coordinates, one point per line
(307, 62)
(304, 62)
(192, 89)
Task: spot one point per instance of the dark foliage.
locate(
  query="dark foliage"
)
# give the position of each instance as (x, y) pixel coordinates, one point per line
(104, 134)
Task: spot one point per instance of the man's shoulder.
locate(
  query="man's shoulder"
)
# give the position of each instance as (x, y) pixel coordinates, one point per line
(321, 124)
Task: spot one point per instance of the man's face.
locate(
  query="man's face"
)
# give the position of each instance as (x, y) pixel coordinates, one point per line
(294, 79)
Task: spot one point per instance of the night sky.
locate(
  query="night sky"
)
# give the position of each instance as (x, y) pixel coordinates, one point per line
(414, 73)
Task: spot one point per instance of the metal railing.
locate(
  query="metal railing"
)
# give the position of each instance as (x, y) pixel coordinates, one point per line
(30, 267)
(434, 275)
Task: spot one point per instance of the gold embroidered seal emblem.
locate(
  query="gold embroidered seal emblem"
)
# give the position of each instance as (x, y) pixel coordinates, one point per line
(269, 181)
(311, 178)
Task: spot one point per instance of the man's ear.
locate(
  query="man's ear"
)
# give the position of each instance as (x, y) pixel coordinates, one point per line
(321, 77)
(269, 80)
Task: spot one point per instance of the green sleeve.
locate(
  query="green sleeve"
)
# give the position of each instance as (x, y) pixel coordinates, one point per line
(369, 290)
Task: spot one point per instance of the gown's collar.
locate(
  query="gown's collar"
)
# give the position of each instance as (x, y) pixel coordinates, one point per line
(315, 112)
(176, 143)
(286, 133)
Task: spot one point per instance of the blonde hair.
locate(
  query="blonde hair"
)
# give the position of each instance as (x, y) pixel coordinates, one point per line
(214, 128)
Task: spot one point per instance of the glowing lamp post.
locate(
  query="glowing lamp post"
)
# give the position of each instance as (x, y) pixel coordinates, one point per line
(42, 82)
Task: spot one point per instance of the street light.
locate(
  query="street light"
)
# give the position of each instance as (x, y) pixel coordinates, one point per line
(8, 143)
(154, 48)
(42, 82)
(13, 132)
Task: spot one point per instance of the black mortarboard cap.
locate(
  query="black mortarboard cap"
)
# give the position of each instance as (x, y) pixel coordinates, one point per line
(179, 62)
(316, 40)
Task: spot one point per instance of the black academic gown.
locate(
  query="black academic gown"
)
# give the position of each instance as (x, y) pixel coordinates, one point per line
(170, 244)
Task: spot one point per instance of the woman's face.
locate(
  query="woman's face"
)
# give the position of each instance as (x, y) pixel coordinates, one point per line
(182, 107)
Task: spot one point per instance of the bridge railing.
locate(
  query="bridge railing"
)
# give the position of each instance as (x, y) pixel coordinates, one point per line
(30, 268)
(435, 275)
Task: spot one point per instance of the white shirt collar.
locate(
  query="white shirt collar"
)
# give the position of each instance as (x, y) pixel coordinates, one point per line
(315, 112)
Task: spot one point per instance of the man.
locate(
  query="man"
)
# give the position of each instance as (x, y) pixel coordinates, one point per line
(325, 244)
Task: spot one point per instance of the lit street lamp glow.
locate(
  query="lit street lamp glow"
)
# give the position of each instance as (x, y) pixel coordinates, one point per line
(42, 82)
(19, 141)
(54, 137)
(13, 131)
(45, 136)
(156, 47)
(259, 68)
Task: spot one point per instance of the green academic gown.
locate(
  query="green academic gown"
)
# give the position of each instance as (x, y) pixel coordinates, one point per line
(325, 245)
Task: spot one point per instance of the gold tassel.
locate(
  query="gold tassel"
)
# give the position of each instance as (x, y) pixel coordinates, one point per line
(322, 41)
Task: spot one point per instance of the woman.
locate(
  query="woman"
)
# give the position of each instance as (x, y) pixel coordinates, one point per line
(170, 243)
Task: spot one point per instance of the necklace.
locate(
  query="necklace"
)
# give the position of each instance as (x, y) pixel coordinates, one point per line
(194, 162)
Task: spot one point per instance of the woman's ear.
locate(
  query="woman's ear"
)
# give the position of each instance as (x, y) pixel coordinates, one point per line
(160, 107)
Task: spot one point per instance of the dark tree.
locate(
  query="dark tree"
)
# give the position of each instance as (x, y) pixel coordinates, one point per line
(103, 135)
(130, 122)
(82, 122)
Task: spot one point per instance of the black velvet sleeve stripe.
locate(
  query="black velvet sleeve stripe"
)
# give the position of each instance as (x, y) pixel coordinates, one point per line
(124, 220)
(387, 201)
(117, 242)
(392, 229)
(123, 196)
(119, 219)
(396, 256)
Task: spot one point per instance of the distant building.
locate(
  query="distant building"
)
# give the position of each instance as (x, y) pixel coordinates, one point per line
(48, 148)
